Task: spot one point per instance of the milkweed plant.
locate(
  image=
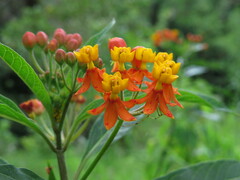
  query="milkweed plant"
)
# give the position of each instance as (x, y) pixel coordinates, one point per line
(138, 85)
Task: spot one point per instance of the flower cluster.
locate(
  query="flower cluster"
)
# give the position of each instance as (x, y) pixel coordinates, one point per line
(165, 35)
(159, 92)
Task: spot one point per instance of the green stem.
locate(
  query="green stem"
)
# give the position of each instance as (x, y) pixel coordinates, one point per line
(61, 68)
(103, 150)
(35, 63)
(62, 165)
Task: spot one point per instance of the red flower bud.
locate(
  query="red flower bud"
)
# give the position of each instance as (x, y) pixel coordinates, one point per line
(68, 37)
(29, 40)
(52, 45)
(72, 44)
(60, 35)
(116, 41)
(32, 106)
(60, 56)
(78, 37)
(78, 98)
(42, 38)
(70, 58)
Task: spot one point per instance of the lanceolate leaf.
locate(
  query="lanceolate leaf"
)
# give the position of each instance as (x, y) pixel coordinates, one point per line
(9, 113)
(218, 170)
(188, 96)
(10, 103)
(10, 172)
(26, 73)
(95, 39)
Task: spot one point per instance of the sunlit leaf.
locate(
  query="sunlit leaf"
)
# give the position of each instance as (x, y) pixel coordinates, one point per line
(27, 74)
(217, 170)
(10, 172)
(95, 39)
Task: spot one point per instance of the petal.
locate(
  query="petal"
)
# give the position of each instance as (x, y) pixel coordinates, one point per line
(163, 107)
(129, 104)
(168, 94)
(122, 112)
(151, 104)
(86, 84)
(98, 110)
(110, 115)
(144, 99)
(96, 79)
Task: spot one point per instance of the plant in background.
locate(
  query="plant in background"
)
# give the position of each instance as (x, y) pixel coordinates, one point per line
(66, 71)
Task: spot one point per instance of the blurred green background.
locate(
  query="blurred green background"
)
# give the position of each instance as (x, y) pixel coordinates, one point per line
(197, 134)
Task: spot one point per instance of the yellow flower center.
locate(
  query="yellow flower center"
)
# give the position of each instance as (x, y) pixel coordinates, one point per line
(163, 56)
(144, 55)
(122, 55)
(114, 84)
(87, 54)
(163, 73)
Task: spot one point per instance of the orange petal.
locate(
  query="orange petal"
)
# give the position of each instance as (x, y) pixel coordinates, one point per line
(98, 110)
(151, 104)
(122, 112)
(163, 107)
(86, 84)
(130, 103)
(96, 79)
(110, 115)
(80, 80)
(144, 99)
(168, 94)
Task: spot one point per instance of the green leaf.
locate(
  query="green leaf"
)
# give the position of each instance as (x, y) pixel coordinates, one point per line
(194, 97)
(10, 172)
(27, 74)
(217, 170)
(10, 103)
(9, 113)
(95, 39)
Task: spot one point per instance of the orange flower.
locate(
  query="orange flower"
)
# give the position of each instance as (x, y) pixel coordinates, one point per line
(114, 107)
(165, 35)
(139, 69)
(93, 75)
(121, 55)
(160, 92)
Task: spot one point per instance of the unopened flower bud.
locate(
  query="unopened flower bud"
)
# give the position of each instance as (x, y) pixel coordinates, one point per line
(99, 63)
(29, 40)
(42, 38)
(60, 35)
(72, 44)
(60, 56)
(78, 98)
(116, 41)
(70, 58)
(32, 107)
(78, 37)
(68, 37)
(52, 45)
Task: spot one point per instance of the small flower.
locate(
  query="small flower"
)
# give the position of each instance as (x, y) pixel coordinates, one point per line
(93, 75)
(139, 69)
(32, 107)
(114, 107)
(121, 55)
(59, 35)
